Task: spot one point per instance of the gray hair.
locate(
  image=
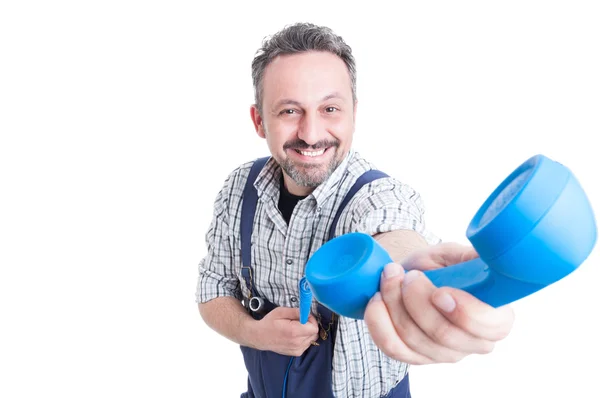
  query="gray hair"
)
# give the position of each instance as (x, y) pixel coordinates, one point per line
(299, 38)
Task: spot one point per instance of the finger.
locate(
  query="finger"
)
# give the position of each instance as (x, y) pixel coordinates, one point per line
(424, 259)
(307, 329)
(406, 327)
(312, 320)
(441, 255)
(307, 342)
(474, 316)
(310, 328)
(293, 316)
(286, 313)
(417, 291)
(384, 334)
(312, 331)
(451, 253)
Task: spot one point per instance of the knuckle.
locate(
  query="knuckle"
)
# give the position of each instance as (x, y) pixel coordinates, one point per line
(390, 287)
(411, 337)
(392, 349)
(293, 333)
(411, 341)
(444, 334)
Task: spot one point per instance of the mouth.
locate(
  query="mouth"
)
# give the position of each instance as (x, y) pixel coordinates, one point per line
(311, 155)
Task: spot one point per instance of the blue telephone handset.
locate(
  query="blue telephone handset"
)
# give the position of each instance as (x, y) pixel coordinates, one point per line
(534, 229)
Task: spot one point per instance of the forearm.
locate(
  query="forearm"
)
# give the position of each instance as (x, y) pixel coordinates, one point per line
(400, 243)
(228, 317)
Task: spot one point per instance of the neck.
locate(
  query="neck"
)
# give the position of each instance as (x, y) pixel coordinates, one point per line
(294, 188)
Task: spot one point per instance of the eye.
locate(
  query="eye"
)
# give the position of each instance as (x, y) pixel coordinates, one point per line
(331, 109)
(287, 112)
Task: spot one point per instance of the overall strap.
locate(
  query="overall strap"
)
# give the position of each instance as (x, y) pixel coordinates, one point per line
(249, 199)
(367, 177)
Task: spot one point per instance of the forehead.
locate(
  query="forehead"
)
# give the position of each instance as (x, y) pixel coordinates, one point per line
(306, 77)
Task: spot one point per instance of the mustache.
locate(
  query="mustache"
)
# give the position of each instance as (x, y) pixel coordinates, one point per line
(301, 144)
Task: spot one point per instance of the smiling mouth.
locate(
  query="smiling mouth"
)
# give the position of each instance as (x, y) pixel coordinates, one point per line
(311, 153)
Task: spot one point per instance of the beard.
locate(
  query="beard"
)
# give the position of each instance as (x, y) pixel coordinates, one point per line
(308, 174)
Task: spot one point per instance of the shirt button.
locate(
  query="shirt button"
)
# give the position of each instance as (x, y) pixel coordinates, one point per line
(318, 209)
(289, 261)
(294, 299)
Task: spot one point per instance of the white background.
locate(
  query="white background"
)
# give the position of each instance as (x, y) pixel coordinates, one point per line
(119, 121)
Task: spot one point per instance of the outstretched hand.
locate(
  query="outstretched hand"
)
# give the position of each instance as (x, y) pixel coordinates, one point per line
(415, 322)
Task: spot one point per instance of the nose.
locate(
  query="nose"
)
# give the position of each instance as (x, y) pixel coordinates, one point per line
(309, 128)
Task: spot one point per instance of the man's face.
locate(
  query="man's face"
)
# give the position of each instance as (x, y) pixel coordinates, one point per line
(307, 116)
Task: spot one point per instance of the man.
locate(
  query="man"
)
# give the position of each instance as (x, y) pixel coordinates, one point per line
(305, 107)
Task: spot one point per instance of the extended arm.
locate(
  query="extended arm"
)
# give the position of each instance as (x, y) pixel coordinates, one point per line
(411, 320)
(400, 243)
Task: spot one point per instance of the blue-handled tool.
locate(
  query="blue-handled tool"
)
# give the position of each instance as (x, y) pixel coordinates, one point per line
(534, 229)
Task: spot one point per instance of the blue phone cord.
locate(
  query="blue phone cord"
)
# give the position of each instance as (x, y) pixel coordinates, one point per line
(286, 376)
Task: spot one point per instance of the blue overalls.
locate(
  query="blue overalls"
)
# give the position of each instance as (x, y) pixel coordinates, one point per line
(271, 375)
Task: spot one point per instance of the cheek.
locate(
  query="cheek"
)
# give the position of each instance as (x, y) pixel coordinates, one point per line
(342, 128)
(279, 133)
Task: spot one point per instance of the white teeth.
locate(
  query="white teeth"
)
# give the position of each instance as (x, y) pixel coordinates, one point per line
(317, 153)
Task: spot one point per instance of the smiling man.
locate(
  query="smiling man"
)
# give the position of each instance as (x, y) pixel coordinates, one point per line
(273, 213)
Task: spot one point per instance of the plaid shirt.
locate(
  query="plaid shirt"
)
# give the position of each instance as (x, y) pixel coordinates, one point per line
(280, 252)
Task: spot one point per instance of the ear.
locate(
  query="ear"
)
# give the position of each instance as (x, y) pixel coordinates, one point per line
(258, 121)
(354, 111)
